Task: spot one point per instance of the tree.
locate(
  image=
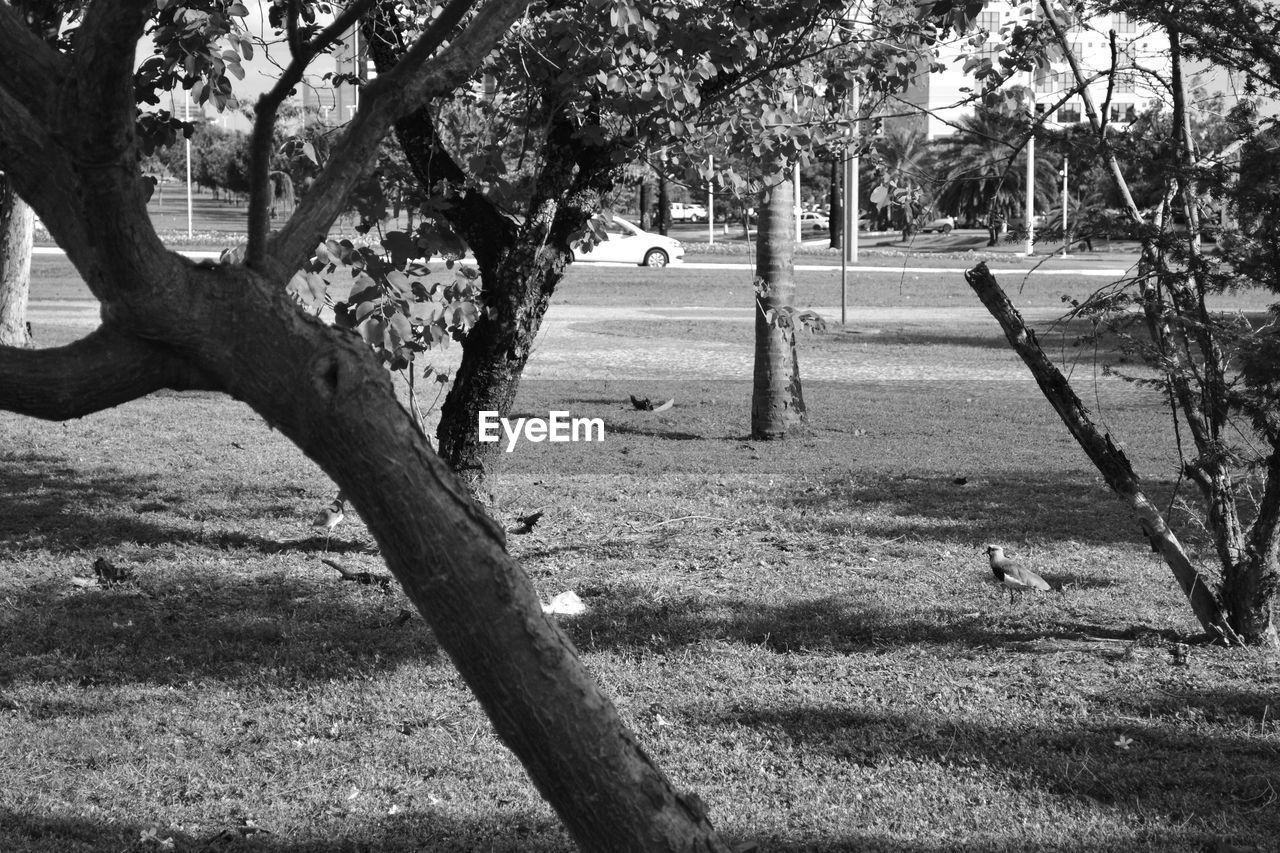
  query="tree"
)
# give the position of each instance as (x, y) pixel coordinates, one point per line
(1192, 349)
(777, 403)
(982, 168)
(903, 165)
(17, 222)
(172, 323)
(606, 84)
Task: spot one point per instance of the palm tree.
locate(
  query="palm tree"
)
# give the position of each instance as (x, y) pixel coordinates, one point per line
(982, 169)
(906, 162)
(777, 404)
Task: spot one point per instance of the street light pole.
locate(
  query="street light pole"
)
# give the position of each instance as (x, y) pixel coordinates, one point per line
(849, 252)
(851, 184)
(186, 109)
(711, 200)
(1066, 232)
(1029, 248)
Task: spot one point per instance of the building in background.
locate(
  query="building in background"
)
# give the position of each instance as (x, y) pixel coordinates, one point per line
(326, 102)
(1142, 56)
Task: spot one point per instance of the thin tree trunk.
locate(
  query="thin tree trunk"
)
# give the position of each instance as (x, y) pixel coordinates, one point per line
(1106, 457)
(520, 266)
(777, 404)
(645, 206)
(835, 197)
(664, 206)
(17, 226)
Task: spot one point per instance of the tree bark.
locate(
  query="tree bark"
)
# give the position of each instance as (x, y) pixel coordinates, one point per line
(1106, 457)
(17, 225)
(329, 395)
(777, 403)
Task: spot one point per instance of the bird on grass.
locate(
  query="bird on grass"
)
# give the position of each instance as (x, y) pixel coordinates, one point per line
(109, 573)
(1014, 577)
(526, 522)
(330, 517)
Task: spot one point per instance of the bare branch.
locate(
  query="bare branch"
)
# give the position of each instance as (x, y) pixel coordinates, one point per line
(30, 70)
(268, 107)
(102, 370)
(415, 79)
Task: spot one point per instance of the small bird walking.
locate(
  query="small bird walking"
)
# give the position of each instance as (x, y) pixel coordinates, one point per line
(330, 517)
(1014, 577)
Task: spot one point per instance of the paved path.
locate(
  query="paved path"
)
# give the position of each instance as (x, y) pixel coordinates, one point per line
(573, 345)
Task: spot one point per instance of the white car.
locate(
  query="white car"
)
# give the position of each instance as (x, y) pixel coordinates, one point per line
(943, 224)
(814, 219)
(624, 243)
(681, 212)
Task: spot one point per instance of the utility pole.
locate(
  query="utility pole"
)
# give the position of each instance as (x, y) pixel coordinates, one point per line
(849, 251)
(1029, 249)
(1066, 232)
(711, 200)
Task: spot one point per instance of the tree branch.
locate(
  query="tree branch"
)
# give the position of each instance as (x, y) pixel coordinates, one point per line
(30, 70)
(471, 214)
(41, 172)
(97, 372)
(264, 122)
(102, 65)
(414, 80)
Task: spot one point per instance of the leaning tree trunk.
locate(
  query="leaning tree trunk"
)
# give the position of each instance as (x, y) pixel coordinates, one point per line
(17, 223)
(1110, 461)
(836, 199)
(777, 404)
(171, 323)
(329, 395)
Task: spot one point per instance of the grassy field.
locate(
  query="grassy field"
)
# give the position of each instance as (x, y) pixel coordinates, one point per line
(805, 633)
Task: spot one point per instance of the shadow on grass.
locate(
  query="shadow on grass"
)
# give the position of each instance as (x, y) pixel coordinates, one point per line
(436, 831)
(627, 617)
(1164, 770)
(428, 830)
(49, 503)
(653, 432)
(279, 630)
(1005, 508)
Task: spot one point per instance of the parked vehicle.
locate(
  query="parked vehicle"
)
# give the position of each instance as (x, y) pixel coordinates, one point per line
(944, 224)
(814, 219)
(624, 243)
(681, 212)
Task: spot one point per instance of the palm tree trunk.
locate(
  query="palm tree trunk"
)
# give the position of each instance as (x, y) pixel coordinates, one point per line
(777, 404)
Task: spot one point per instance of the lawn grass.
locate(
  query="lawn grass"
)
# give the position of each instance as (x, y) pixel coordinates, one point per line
(805, 633)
